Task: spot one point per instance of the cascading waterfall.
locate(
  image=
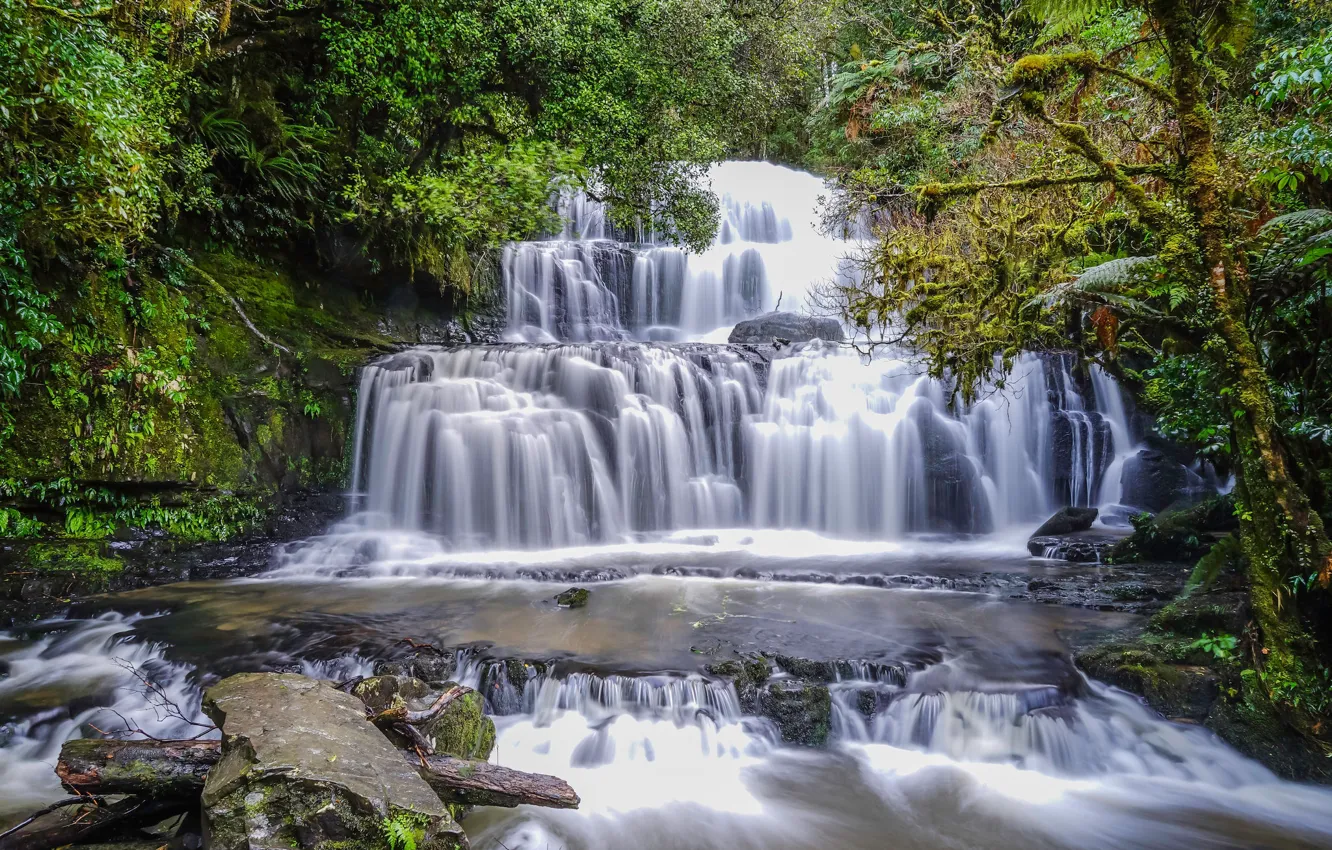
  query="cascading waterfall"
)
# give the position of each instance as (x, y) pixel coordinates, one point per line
(564, 445)
(582, 286)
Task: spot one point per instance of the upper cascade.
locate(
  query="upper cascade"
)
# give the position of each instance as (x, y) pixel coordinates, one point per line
(591, 283)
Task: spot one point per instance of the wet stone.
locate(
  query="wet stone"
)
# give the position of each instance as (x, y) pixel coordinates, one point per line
(461, 730)
(302, 769)
(802, 710)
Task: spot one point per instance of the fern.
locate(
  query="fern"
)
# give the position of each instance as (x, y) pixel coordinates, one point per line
(400, 831)
(1118, 283)
(1287, 248)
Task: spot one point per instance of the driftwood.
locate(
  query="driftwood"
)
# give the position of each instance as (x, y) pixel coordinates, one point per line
(175, 770)
(480, 783)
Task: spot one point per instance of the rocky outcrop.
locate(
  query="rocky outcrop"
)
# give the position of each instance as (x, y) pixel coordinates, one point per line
(1081, 451)
(786, 327)
(954, 499)
(1079, 548)
(302, 768)
(1152, 481)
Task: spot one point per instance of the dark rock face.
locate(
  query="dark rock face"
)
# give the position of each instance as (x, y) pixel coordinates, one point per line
(1067, 521)
(302, 768)
(1082, 452)
(1152, 481)
(791, 327)
(954, 499)
(802, 710)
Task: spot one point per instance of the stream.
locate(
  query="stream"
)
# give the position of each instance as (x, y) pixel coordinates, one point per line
(794, 500)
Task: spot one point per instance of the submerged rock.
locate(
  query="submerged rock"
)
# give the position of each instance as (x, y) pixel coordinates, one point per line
(1078, 548)
(302, 768)
(802, 710)
(791, 327)
(574, 597)
(1067, 521)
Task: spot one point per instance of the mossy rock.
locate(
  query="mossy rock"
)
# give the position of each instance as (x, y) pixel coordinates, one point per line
(747, 674)
(1178, 691)
(1182, 534)
(802, 710)
(574, 597)
(463, 729)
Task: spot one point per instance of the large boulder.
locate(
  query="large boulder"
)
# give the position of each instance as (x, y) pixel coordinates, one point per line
(1152, 481)
(791, 327)
(302, 768)
(1067, 521)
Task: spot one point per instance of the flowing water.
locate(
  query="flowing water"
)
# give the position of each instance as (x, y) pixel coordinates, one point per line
(802, 502)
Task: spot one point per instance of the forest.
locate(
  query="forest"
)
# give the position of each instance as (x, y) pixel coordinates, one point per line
(215, 214)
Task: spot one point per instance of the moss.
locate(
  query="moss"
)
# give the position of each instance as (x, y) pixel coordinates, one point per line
(84, 558)
(574, 597)
(463, 730)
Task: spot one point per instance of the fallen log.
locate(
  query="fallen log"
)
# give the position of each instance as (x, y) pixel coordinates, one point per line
(177, 769)
(480, 783)
(153, 769)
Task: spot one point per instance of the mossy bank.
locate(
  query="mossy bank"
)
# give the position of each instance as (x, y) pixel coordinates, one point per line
(189, 399)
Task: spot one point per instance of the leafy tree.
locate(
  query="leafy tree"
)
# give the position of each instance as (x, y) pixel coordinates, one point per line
(1107, 205)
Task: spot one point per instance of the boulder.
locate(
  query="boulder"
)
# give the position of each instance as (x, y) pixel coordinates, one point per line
(302, 768)
(802, 710)
(462, 729)
(1152, 481)
(791, 327)
(1067, 521)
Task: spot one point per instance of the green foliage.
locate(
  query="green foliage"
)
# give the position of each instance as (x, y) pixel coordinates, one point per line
(1294, 95)
(1220, 646)
(403, 830)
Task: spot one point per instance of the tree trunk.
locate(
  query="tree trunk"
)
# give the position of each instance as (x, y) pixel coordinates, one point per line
(480, 783)
(1281, 533)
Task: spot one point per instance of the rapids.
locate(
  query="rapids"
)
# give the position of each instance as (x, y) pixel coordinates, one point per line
(802, 501)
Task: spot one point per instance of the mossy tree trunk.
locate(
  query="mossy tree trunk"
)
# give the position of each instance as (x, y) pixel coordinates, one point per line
(1282, 534)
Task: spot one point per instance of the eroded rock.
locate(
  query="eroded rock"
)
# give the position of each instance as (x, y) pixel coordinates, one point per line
(789, 327)
(302, 768)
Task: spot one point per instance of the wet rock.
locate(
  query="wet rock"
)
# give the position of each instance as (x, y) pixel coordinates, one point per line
(791, 327)
(574, 597)
(1080, 548)
(1152, 481)
(804, 668)
(302, 768)
(747, 673)
(1081, 448)
(1067, 521)
(1178, 691)
(802, 710)
(953, 494)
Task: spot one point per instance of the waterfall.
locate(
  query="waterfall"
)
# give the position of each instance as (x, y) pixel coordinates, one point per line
(597, 425)
(581, 285)
(538, 446)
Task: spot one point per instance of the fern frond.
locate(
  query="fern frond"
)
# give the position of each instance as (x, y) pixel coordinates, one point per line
(1063, 17)
(1115, 284)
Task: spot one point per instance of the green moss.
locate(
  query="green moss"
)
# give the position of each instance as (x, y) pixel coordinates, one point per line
(464, 730)
(86, 558)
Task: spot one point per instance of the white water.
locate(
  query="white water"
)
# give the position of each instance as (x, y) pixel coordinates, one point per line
(583, 286)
